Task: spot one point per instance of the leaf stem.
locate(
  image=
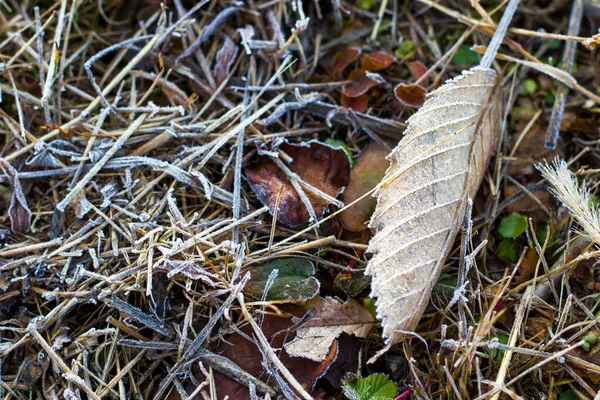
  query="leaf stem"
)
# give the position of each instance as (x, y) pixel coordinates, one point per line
(490, 54)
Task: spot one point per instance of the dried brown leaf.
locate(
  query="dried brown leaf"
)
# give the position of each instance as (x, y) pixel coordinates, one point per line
(411, 95)
(224, 59)
(358, 104)
(248, 357)
(18, 210)
(332, 318)
(322, 166)
(370, 167)
(435, 169)
(342, 59)
(360, 83)
(377, 61)
(417, 68)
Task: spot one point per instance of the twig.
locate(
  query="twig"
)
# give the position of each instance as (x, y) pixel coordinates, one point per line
(567, 65)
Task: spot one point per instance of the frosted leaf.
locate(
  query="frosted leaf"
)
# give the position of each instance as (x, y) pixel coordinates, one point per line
(422, 200)
(18, 210)
(434, 170)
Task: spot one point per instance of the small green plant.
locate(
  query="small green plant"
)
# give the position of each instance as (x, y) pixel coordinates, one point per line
(508, 249)
(512, 226)
(530, 86)
(466, 56)
(373, 387)
(589, 340)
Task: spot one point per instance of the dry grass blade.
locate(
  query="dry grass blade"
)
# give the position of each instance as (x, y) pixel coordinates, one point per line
(435, 169)
(577, 198)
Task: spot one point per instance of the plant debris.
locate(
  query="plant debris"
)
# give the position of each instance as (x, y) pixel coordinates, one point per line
(181, 215)
(303, 189)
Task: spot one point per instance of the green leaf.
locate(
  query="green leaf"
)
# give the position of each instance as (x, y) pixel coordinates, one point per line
(550, 96)
(554, 44)
(369, 304)
(338, 144)
(549, 60)
(568, 395)
(366, 4)
(508, 249)
(589, 340)
(294, 281)
(512, 226)
(373, 387)
(404, 48)
(498, 354)
(530, 86)
(466, 56)
(445, 281)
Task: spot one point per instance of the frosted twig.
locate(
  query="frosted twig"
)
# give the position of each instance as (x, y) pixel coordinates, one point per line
(265, 347)
(196, 345)
(92, 106)
(490, 54)
(47, 90)
(192, 241)
(65, 47)
(18, 104)
(32, 329)
(514, 335)
(208, 30)
(98, 166)
(88, 64)
(567, 65)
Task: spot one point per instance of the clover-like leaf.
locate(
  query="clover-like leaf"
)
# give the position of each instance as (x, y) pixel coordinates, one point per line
(373, 387)
(294, 280)
(512, 226)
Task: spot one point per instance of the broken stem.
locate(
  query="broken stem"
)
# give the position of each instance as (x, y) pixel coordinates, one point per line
(490, 54)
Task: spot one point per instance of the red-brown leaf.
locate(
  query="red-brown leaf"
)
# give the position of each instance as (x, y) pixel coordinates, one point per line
(377, 61)
(358, 104)
(342, 59)
(18, 211)
(411, 95)
(247, 356)
(224, 59)
(370, 167)
(417, 68)
(359, 85)
(321, 166)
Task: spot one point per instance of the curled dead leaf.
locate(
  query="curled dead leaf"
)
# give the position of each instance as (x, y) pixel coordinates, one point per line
(224, 59)
(360, 83)
(370, 167)
(342, 59)
(422, 200)
(332, 318)
(377, 61)
(319, 165)
(358, 104)
(411, 95)
(18, 210)
(417, 68)
(245, 353)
